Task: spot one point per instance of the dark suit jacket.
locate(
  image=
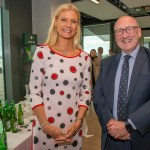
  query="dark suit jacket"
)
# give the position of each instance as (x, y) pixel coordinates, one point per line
(138, 106)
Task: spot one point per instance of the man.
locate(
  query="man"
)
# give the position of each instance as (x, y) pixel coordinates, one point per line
(132, 131)
(100, 52)
(111, 53)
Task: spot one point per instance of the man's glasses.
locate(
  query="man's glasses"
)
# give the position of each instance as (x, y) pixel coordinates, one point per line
(129, 30)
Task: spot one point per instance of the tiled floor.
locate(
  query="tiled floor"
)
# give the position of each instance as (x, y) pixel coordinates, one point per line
(94, 142)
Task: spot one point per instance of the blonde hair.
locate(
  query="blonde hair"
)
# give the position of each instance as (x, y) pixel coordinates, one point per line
(52, 33)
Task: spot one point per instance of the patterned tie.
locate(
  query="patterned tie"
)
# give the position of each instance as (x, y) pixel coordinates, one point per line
(123, 87)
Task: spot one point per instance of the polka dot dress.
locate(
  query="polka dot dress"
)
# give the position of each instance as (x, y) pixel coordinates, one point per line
(61, 84)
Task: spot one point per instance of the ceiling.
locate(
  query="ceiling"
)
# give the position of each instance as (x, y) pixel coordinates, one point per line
(110, 10)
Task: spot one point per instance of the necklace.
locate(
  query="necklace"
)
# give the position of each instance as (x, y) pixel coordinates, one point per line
(65, 52)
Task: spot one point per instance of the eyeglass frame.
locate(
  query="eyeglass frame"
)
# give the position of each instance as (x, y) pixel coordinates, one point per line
(122, 30)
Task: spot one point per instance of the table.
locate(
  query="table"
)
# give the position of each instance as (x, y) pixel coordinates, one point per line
(22, 140)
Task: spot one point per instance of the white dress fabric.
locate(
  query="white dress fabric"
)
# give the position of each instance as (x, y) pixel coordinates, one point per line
(61, 84)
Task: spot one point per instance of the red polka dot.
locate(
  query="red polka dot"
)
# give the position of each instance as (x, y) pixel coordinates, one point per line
(70, 111)
(54, 76)
(61, 92)
(40, 55)
(33, 122)
(87, 92)
(51, 120)
(73, 69)
(86, 57)
(80, 133)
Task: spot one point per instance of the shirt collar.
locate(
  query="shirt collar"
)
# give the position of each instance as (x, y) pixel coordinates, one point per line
(133, 54)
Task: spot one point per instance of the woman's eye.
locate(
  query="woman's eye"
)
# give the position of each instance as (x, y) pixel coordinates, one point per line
(63, 19)
(74, 21)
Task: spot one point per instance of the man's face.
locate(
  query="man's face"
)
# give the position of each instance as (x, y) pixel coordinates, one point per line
(100, 50)
(127, 33)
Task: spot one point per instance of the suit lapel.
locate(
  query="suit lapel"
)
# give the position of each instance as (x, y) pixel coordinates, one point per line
(138, 64)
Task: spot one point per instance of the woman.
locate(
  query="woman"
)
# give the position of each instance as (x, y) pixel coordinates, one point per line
(95, 66)
(60, 88)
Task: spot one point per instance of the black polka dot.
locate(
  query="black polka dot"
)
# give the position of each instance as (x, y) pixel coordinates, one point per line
(75, 143)
(88, 103)
(44, 143)
(68, 96)
(61, 60)
(76, 114)
(36, 140)
(61, 71)
(52, 91)
(81, 75)
(75, 79)
(46, 77)
(65, 147)
(57, 84)
(48, 136)
(56, 145)
(47, 99)
(59, 103)
(30, 99)
(51, 65)
(39, 128)
(89, 69)
(49, 107)
(73, 87)
(49, 58)
(36, 78)
(52, 52)
(62, 125)
(59, 114)
(65, 82)
(84, 86)
(80, 64)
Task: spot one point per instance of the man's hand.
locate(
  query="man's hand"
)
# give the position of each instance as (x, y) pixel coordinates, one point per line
(117, 130)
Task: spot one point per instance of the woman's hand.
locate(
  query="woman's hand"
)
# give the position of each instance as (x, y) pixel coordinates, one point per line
(74, 128)
(55, 132)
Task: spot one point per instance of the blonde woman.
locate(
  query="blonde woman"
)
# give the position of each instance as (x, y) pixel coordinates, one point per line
(60, 89)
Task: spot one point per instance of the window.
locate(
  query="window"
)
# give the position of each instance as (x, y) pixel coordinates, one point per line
(2, 93)
(147, 42)
(97, 36)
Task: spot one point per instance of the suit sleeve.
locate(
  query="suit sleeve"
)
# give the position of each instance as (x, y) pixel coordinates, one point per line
(100, 104)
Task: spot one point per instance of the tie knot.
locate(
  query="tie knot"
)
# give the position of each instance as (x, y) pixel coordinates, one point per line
(127, 57)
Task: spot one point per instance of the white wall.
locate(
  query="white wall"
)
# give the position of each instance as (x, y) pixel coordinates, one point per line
(42, 10)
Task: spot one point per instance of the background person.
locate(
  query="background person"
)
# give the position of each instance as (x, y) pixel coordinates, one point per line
(111, 53)
(128, 129)
(60, 89)
(100, 53)
(95, 66)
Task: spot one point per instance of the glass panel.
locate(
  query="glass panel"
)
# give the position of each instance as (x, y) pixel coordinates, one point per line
(147, 42)
(2, 95)
(97, 36)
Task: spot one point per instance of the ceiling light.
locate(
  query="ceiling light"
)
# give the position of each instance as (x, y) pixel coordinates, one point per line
(96, 1)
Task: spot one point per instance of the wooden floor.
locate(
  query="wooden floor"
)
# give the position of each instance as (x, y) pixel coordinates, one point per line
(94, 142)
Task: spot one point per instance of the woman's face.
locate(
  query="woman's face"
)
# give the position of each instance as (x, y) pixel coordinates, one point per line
(67, 24)
(93, 53)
